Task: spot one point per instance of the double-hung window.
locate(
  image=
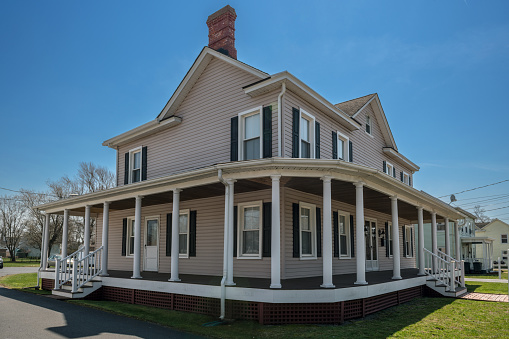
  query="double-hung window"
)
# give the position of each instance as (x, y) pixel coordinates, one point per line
(135, 165)
(251, 127)
(307, 230)
(368, 124)
(183, 233)
(406, 178)
(344, 234)
(389, 169)
(408, 241)
(250, 230)
(503, 238)
(130, 237)
(342, 147)
(307, 135)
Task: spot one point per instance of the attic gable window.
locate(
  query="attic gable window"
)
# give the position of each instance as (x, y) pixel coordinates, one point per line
(368, 124)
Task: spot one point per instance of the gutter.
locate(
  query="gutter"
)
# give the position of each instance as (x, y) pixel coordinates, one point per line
(225, 251)
(279, 117)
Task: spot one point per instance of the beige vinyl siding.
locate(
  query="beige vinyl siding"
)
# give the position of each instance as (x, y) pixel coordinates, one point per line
(203, 137)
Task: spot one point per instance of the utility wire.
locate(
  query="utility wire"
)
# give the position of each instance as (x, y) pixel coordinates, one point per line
(473, 189)
(8, 189)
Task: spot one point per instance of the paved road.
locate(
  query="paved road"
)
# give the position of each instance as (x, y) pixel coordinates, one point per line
(26, 315)
(17, 270)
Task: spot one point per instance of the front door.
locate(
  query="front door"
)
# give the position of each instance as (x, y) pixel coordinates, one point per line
(371, 238)
(152, 245)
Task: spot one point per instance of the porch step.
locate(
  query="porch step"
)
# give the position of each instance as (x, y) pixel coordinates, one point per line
(82, 292)
(441, 288)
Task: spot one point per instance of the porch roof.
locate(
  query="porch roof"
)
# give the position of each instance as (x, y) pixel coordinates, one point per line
(478, 240)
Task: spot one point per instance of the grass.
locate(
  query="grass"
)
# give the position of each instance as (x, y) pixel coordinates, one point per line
(486, 287)
(487, 276)
(21, 262)
(422, 317)
(22, 282)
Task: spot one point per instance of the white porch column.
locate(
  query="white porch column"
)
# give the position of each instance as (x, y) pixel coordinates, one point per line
(137, 239)
(434, 247)
(87, 230)
(396, 254)
(360, 249)
(420, 223)
(175, 236)
(231, 193)
(447, 237)
(458, 240)
(327, 233)
(45, 243)
(106, 226)
(65, 230)
(275, 259)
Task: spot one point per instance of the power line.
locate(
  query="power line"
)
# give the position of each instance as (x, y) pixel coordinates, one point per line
(10, 190)
(473, 189)
(486, 196)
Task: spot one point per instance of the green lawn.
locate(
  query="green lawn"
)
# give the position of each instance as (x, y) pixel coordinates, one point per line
(22, 282)
(486, 287)
(487, 276)
(21, 262)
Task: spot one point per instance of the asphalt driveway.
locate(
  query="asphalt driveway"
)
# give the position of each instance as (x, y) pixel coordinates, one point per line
(26, 315)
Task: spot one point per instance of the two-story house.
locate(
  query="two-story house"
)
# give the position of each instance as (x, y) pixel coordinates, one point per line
(251, 195)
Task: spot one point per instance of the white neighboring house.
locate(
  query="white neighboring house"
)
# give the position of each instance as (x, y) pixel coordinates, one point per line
(498, 231)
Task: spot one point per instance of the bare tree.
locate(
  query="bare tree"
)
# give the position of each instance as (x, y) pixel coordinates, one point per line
(480, 214)
(12, 223)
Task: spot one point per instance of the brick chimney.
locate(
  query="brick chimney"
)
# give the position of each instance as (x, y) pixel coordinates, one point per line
(222, 31)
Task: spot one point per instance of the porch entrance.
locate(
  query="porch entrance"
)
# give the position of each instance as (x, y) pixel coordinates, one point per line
(371, 240)
(152, 245)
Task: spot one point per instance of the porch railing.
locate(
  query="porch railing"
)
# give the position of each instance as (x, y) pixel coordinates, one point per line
(78, 268)
(445, 269)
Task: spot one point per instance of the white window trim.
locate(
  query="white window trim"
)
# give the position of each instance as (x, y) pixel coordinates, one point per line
(408, 178)
(346, 141)
(130, 221)
(131, 162)
(368, 118)
(408, 231)
(312, 217)
(240, 223)
(242, 117)
(348, 235)
(389, 173)
(311, 119)
(184, 212)
(388, 238)
(506, 239)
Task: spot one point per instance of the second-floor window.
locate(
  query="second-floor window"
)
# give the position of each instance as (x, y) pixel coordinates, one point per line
(342, 147)
(135, 166)
(389, 169)
(251, 127)
(368, 124)
(307, 126)
(406, 178)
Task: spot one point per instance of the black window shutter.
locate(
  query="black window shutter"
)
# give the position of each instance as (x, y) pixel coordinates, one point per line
(318, 232)
(401, 174)
(352, 238)
(192, 233)
(296, 231)
(404, 241)
(126, 169)
(409, 181)
(234, 139)
(334, 145)
(412, 242)
(387, 239)
(267, 132)
(144, 163)
(385, 166)
(235, 230)
(295, 132)
(335, 222)
(267, 229)
(124, 236)
(350, 151)
(394, 172)
(317, 140)
(168, 234)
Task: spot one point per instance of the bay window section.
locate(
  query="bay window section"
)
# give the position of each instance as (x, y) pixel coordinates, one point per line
(250, 226)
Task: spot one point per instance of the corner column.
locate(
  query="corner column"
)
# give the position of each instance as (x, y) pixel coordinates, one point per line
(327, 233)
(175, 236)
(275, 260)
(447, 237)
(45, 243)
(434, 248)
(231, 195)
(87, 230)
(420, 227)
(65, 231)
(137, 239)
(396, 254)
(458, 240)
(360, 250)
(106, 226)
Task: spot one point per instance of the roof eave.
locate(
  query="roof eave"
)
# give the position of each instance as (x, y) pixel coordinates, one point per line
(395, 154)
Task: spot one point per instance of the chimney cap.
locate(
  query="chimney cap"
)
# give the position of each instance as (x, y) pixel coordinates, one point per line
(222, 11)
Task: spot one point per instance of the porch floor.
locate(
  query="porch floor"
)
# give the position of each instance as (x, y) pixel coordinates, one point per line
(340, 280)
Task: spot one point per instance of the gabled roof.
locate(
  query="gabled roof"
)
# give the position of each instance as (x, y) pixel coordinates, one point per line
(353, 106)
(483, 225)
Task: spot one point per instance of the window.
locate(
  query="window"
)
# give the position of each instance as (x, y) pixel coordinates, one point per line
(368, 124)
(307, 230)
(389, 169)
(135, 165)
(183, 233)
(307, 127)
(406, 178)
(503, 238)
(152, 231)
(344, 234)
(342, 147)
(130, 237)
(389, 239)
(408, 241)
(250, 226)
(251, 141)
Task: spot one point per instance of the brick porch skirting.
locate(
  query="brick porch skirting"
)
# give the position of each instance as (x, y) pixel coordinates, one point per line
(264, 313)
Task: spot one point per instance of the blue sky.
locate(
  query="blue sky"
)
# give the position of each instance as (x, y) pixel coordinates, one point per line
(75, 73)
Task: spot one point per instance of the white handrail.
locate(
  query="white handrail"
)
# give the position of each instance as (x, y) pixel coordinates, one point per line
(445, 269)
(63, 267)
(78, 268)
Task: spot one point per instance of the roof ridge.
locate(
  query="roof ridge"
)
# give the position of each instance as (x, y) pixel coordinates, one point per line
(342, 102)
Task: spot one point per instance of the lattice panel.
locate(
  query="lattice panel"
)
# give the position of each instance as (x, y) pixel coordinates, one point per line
(155, 299)
(409, 294)
(47, 284)
(201, 305)
(242, 310)
(352, 309)
(123, 295)
(380, 302)
(323, 313)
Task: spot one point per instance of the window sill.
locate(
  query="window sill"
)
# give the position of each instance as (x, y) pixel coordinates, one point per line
(371, 135)
(345, 258)
(183, 256)
(248, 258)
(308, 258)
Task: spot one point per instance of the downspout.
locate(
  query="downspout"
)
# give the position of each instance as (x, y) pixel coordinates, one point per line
(279, 118)
(225, 251)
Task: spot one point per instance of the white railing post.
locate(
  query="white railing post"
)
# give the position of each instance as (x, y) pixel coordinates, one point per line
(74, 276)
(57, 274)
(452, 277)
(462, 273)
(499, 269)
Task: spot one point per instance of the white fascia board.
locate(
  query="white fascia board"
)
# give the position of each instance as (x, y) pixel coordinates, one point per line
(398, 156)
(194, 73)
(293, 83)
(141, 131)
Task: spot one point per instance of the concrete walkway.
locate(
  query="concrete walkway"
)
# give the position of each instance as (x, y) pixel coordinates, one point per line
(485, 297)
(504, 281)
